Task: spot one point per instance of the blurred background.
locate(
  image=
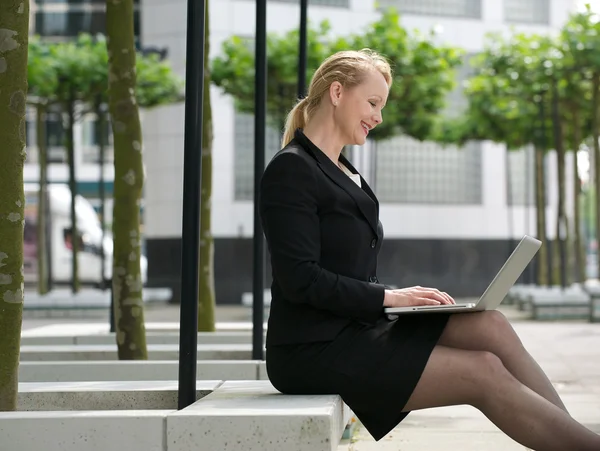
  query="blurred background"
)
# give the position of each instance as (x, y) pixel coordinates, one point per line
(488, 135)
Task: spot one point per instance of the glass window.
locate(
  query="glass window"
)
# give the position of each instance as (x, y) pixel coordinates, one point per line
(452, 8)
(409, 171)
(527, 11)
(244, 154)
(71, 23)
(521, 186)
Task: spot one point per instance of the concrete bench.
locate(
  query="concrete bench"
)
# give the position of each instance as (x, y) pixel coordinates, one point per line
(248, 298)
(524, 295)
(136, 430)
(107, 395)
(560, 305)
(248, 415)
(254, 416)
(141, 370)
(85, 299)
(155, 352)
(517, 292)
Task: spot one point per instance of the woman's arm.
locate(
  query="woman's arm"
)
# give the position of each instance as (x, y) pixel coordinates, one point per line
(288, 209)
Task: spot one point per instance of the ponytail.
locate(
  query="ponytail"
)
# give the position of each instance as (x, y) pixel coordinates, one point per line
(296, 118)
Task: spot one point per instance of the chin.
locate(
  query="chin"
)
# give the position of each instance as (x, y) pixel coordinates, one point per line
(360, 141)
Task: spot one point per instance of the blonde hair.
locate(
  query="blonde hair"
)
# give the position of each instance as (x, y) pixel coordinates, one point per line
(349, 68)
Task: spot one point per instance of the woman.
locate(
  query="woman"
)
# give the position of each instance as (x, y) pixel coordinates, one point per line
(327, 329)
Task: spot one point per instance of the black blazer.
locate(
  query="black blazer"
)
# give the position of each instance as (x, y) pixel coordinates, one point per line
(323, 233)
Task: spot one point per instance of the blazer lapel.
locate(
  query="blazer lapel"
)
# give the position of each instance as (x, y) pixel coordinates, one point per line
(365, 199)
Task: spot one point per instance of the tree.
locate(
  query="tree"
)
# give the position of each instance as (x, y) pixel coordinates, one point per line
(76, 74)
(206, 281)
(580, 40)
(14, 36)
(42, 82)
(507, 103)
(423, 75)
(233, 71)
(129, 180)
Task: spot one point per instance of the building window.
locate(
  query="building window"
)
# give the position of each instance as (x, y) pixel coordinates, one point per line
(527, 11)
(520, 189)
(470, 9)
(91, 140)
(244, 154)
(409, 171)
(55, 137)
(72, 23)
(56, 19)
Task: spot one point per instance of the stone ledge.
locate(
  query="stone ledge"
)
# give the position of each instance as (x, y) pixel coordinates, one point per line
(254, 416)
(155, 352)
(141, 370)
(84, 431)
(108, 338)
(107, 395)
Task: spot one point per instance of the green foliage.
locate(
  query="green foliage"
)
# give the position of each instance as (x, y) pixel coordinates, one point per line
(78, 71)
(41, 72)
(423, 75)
(423, 72)
(157, 84)
(233, 71)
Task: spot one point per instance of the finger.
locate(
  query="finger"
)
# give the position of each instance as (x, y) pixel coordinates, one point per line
(425, 301)
(447, 298)
(437, 295)
(452, 301)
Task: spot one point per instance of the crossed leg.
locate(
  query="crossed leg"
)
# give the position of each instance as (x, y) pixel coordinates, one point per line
(480, 378)
(490, 331)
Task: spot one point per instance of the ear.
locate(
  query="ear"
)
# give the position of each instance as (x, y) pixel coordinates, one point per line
(335, 92)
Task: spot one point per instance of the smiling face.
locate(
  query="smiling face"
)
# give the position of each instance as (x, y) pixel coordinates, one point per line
(358, 109)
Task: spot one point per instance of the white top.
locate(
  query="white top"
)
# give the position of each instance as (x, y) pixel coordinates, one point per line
(355, 177)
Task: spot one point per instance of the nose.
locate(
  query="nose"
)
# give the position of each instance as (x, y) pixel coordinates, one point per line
(378, 118)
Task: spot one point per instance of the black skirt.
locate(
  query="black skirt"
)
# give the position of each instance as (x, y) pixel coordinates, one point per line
(374, 368)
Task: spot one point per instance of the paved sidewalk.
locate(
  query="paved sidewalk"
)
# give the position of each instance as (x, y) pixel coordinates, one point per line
(569, 352)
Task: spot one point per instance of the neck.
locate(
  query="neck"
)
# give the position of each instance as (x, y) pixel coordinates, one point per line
(319, 131)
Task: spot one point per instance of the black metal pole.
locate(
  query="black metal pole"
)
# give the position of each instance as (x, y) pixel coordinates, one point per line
(192, 174)
(302, 53)
(260, 111)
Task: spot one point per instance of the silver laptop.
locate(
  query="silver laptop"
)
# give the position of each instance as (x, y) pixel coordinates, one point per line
(495, 292)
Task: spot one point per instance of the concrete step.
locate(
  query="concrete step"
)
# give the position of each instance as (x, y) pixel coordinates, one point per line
(155, 352)
(152, 338)
(107, 395)
(120, 370)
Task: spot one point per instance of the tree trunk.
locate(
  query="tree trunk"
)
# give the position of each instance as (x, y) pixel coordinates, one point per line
(129, 181)
(14, 38)
(42, 242)
(540, 213)
(596, 144)
(70, 107)
(580, 275)
(206, 280)
(560, 263)
(100, 123)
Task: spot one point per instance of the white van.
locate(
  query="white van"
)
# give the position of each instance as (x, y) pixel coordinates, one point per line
(59, 238)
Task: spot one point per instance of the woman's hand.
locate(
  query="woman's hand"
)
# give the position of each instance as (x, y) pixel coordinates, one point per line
(406, 297)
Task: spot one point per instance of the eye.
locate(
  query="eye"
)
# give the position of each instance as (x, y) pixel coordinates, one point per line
(373, 104)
